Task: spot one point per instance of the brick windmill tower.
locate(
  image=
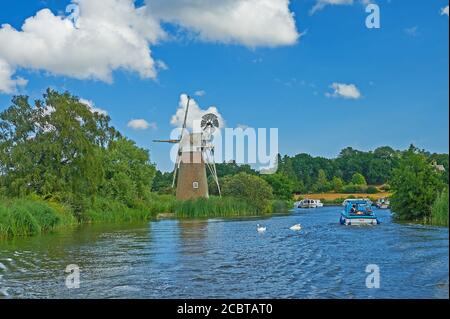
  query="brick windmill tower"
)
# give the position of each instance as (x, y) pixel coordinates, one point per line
(195, 153)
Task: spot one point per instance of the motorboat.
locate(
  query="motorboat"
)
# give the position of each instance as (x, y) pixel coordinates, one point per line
(383, 203)
(358, 212)
(309, 203)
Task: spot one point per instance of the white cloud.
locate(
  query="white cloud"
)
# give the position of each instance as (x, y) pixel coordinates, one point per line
(320, 4)
(8, 84)
(346, 91)
(249, 22)
(195, 113)
(444, 11)
(108, 35)
(91, 105)
(200, 93)
(161, 65)
(141, 124)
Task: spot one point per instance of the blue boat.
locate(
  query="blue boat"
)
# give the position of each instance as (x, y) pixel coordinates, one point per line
(358, 212)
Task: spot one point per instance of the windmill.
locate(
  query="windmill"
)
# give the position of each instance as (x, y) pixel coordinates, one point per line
(195, 153)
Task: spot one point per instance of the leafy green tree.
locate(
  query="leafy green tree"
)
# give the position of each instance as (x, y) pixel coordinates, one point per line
(253, 189)
(322, 184)
(415, 185)
(162, 183)
(128, 172)
(61, 148)
(337, 184)
(282, 186)
(358, 179)
(232, 168)
(52, 147)
(380, 167)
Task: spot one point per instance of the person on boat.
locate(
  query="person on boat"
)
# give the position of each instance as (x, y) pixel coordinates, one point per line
(353, 209)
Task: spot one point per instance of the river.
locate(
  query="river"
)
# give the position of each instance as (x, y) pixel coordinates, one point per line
(228, 258)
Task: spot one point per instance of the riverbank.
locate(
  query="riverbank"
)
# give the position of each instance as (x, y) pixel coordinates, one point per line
(32, 216)
(338, 198)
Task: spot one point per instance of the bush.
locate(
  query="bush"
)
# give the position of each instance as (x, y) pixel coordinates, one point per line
(353, 189)
(250, 188)
(371, 190)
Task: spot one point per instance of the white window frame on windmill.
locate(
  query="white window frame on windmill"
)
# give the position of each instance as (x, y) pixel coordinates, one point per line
(195, 185)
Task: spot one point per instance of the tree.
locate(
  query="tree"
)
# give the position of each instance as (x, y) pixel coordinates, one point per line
(162, 183)
(380, 167)
(250, 188)
(61, 148)
(415, 185)
(128, 172)
(53, 147)
(282, 186)
(322, 184)
(358, 179)
(338, 184)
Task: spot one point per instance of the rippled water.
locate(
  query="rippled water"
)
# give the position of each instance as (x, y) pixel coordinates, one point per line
(219, 258)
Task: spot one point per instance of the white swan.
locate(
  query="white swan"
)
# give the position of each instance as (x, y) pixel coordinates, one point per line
(260, 229)
(296, 227)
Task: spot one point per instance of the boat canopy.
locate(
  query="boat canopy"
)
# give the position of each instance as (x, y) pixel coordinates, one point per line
(357, 201)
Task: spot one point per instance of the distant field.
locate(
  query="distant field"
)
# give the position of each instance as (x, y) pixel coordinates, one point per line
(333, 196)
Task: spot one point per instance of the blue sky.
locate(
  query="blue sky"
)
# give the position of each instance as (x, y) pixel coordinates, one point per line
(400, 70)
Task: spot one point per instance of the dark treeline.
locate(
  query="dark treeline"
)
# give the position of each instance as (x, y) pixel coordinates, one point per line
(352, 171)
(416, 179)
(351, 167)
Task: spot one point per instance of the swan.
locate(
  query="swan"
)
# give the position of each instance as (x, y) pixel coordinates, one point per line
(260, 228)
(296, 227)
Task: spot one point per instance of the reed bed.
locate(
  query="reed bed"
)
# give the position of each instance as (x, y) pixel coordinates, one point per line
(27, 217)
(439, 211)
(213, 207)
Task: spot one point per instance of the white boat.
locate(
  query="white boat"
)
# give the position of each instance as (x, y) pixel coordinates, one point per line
(383, 203)
(309, 203)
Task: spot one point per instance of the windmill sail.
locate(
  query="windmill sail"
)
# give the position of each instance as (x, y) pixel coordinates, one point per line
(177, 161)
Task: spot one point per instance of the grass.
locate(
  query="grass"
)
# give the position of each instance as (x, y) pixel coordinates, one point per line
(213, 207)
(439, 211)
(110, 211)
(27, 217)
(33, 215)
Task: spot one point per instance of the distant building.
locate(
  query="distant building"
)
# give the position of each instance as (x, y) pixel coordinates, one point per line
(438, 167)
